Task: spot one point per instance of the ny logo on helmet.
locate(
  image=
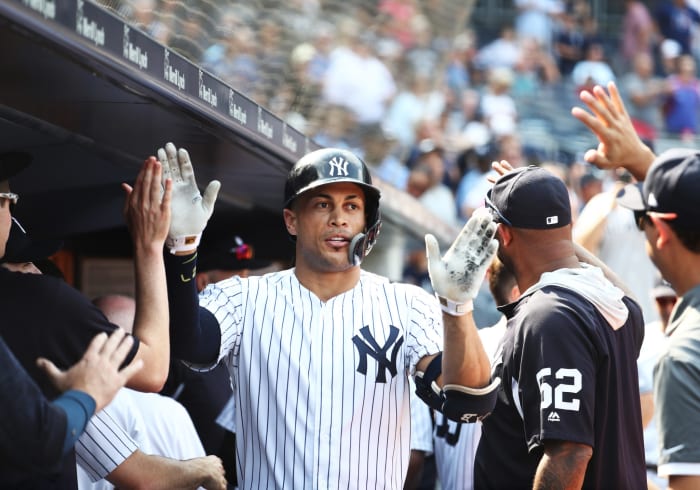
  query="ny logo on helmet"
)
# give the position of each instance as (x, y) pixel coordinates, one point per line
(339, 167)
(370, 348)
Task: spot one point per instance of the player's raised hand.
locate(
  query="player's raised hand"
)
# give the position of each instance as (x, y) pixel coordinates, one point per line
(98, 373)
(619, 144)
(457, 276)
(147, 207)
(190, 209)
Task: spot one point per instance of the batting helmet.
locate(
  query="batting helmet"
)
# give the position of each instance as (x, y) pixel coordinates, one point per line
(331, 165)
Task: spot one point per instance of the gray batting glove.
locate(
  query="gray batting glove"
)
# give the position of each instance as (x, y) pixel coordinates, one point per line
(457, 276)
(190, 210)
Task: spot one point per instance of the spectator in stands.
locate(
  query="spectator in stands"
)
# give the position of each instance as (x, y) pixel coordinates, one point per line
(535, 69)
(644, 95)
(682, 101)
(459, 65)
(498, 108)
(239, 66)
(504, 51)
(421, 100)
(271, 55)
(335, 127)
(569, 43)
(401, 13)
(593, 69)
(422, 57)
(359, 72)
(536, 18)
(674, 20)
(378, 150)
(637, 33)
(437, 197)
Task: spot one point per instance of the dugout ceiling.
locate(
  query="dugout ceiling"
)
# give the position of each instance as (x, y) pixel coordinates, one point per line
(90, 97)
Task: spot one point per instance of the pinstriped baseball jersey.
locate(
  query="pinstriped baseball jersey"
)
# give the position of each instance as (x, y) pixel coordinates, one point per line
(103, 446)
(322, 387)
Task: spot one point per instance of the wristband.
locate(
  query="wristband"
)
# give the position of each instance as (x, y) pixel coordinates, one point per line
(187, 243)
(453, 308)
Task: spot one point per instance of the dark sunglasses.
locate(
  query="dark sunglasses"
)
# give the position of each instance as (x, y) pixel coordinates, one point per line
(641, 217)
(497, 216)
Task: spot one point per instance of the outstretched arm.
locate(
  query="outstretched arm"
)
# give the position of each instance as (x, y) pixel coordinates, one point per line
(467, 390)
(147, 212)
(195, 333)
(619, 144)
(142, 470)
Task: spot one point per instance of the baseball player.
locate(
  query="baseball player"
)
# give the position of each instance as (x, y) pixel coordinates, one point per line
(320, 354)
(569, 416)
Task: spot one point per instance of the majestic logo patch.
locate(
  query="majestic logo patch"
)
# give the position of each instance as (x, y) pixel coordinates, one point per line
(370, 347)
(338, 167)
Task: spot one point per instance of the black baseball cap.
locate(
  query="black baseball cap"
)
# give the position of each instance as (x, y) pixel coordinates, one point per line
(12, 162)
(229, 253)
(21, 247)
(672, 187)
(530, 197)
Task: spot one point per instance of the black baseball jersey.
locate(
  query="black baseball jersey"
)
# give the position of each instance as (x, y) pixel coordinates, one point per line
(44, 316)
(566, 375)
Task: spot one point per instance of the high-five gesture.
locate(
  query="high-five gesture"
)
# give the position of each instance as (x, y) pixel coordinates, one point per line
(619, 145)
(190, 209)
(457, 276)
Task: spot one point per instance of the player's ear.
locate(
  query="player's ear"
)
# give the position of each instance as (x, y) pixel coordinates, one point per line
(662, 231)
(505, 234)
(290, 221)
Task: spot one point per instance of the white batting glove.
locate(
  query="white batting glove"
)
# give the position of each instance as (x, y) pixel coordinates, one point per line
(457, 277)
(190, 211)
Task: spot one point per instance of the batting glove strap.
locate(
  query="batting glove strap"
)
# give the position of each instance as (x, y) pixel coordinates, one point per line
(455, 308)
(187, 243)
(464, 404)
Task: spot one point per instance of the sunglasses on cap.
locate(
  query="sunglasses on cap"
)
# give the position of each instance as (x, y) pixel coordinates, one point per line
(497, 216)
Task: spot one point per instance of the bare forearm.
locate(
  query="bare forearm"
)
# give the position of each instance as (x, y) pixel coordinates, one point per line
(464, 361)
(563, 466)
(683, 482)
(151, 323)
(145, 471)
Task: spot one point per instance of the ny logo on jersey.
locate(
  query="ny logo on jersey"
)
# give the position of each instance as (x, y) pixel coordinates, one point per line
(339, 167)
(370, 347)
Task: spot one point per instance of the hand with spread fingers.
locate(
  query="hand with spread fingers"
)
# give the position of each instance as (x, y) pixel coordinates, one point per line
(619, 144)
(457, 276)
(190, 209)
(98, 373)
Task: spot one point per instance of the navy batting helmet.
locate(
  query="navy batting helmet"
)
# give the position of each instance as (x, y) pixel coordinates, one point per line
(331, 165)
